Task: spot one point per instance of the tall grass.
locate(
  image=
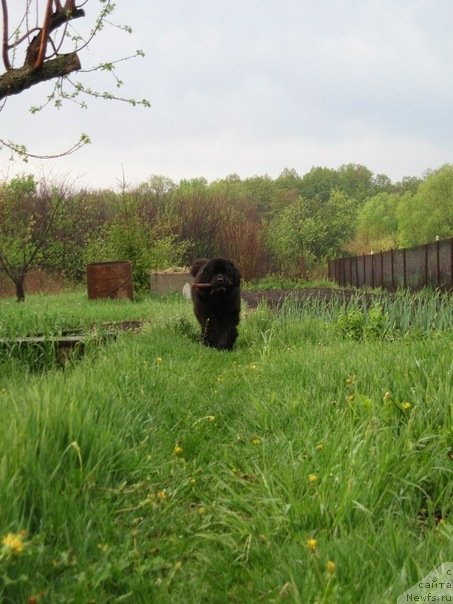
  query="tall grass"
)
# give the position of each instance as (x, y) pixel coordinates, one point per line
(311, 464)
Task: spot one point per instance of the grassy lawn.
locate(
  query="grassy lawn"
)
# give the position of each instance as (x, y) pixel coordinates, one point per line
(314, 463)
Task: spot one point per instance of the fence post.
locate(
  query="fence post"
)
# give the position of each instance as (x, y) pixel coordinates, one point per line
(372, 269)
(426, 265)
(404, 267)
(382, 269)
(451, 262)
(438, 261)
(356, 271)
(364, 270)
(392, 269)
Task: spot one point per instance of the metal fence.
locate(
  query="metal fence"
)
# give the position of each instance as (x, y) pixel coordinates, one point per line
(427, 265)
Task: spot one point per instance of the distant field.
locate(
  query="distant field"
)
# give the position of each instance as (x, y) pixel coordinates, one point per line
(314, 463)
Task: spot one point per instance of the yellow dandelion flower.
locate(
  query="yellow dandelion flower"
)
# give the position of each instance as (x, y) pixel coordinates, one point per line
(387, 396)
(312, 544)
(330, 567)
(158, 360)
(14, 542)
(253, 366)
(201, 510)
(178, 450)
(319, 446)
(256, 441)
(406, 406)
(162, 495)
(312, 478)
(210, 418)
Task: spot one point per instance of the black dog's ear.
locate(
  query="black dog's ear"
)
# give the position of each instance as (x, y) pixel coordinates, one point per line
(197, 265)
(236, 277)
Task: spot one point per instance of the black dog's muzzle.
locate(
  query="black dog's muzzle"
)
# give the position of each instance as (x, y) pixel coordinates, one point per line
(219, 286)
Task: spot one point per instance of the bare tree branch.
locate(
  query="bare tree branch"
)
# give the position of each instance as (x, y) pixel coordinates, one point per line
(5, 36)
(17, 80)
(52, 21)
(42, 38)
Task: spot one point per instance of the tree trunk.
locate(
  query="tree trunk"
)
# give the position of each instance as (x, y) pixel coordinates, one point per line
(20, 288)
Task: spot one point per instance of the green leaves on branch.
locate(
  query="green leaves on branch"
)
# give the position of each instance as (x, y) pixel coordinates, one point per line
(413, 216)
(45, 48)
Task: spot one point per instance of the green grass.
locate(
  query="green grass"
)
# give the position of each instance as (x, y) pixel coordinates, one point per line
(158, 470)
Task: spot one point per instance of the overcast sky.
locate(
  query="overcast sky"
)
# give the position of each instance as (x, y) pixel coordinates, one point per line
(252, 87)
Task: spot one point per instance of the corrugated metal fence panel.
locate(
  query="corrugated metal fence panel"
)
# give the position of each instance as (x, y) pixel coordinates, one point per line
(429, 265)
(399, 268)
(388, 270)
(446, 263)
(415, 267)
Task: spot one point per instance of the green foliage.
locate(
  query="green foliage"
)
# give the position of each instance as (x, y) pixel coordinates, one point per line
(19, 214)
(360, 324)
(429, 212)
(291, 225)
(126, 238)
(308, 231)
(357, 182)
(168, 252)
(377, 225)
(29, 215)
(130, 239)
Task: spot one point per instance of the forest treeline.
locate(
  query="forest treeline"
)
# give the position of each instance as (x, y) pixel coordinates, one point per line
(291, 224)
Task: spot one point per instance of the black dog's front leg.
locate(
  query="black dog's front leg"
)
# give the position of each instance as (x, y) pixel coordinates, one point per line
(219, 336)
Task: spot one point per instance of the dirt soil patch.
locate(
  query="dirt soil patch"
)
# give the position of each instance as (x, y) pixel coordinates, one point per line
(131, 325)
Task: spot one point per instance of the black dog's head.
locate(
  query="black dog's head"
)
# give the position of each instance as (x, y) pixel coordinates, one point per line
(217, 276)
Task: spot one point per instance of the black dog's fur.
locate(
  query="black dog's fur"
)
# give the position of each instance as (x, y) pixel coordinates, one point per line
(217, 303)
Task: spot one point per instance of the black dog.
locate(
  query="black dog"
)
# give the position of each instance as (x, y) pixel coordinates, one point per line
(216, 297)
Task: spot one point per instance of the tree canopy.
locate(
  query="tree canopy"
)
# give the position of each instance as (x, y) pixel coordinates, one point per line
(288, 224)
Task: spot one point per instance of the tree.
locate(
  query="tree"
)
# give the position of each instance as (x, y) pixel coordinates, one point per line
(28, 215)
(408, 184)
(356, 181)
(377, 224)
(318, 183)
(309, 231)
(49, 52)
(382, 184)
(429, 212)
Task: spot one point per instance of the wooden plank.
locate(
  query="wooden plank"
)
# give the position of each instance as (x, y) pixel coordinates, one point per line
(64, 346)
